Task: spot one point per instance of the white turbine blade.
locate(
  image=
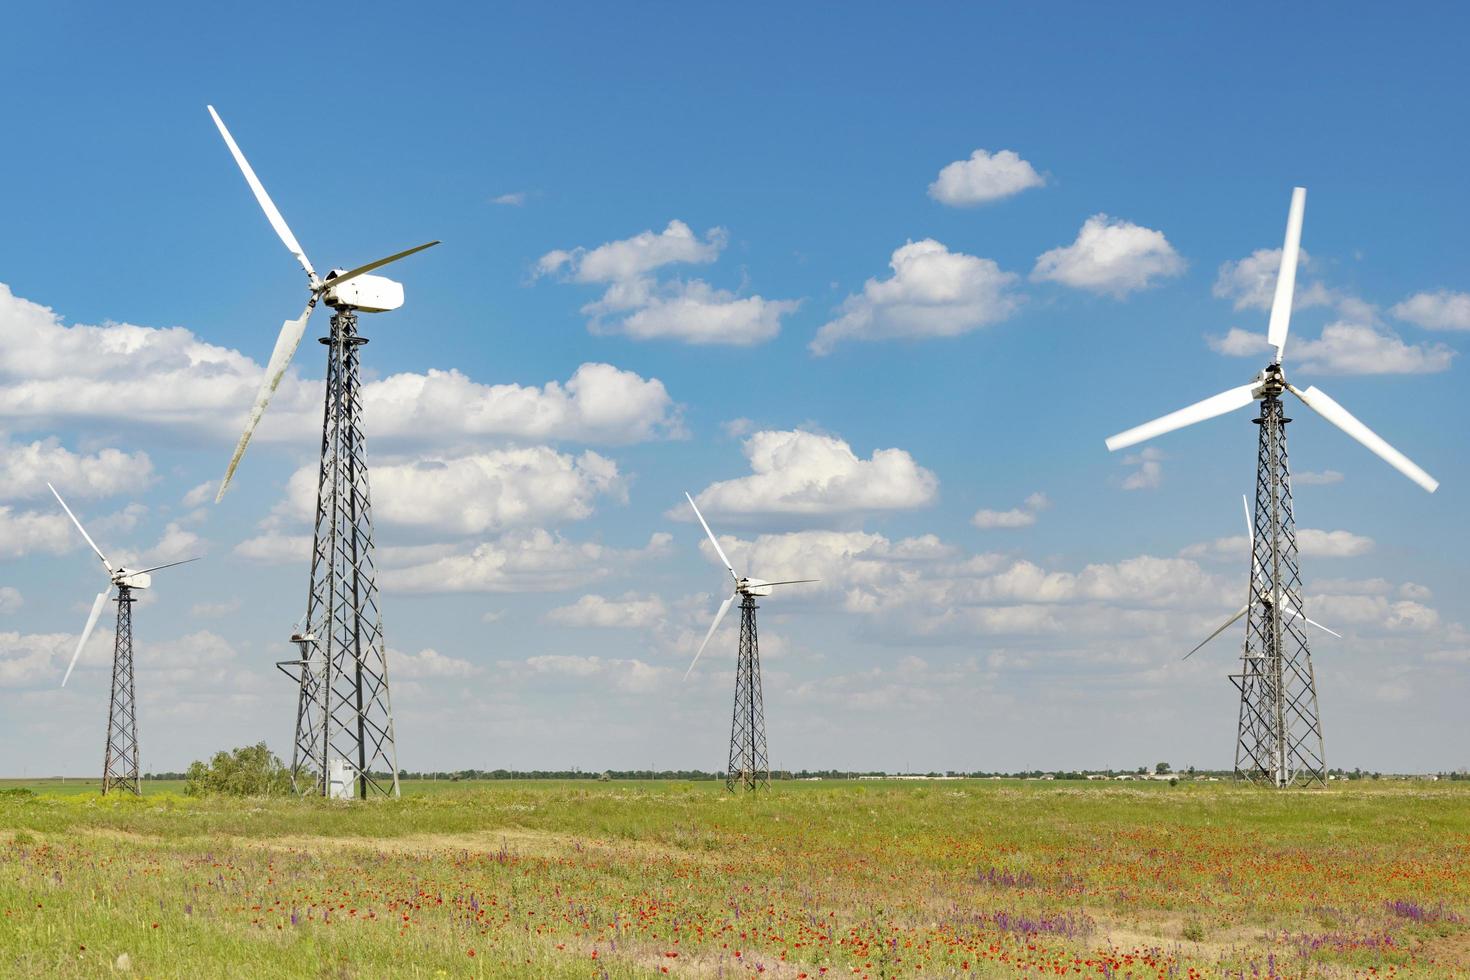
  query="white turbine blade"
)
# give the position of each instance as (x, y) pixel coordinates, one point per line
(1293, 611)
(354, 273)
(1226, 401)
(97, 605)
(1250, 534)
(1286, 278)
(724, 608)
(790, 581)
(720, 551)
(1228, 623)
(286, 344)
(169, 565)
(272, 213)
(1320, 402)
(78, 523)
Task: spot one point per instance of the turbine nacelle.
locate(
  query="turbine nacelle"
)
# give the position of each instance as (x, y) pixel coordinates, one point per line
(125, 579)
(365, 293)
(753, 586)
(1271, 381)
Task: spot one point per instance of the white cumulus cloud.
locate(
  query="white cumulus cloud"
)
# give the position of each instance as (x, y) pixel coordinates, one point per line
(1332, 544)
(1357, 348)
(532, 560)
(478, 492)
(628, 611)
(1439, 310)
(1111, 256)
(598, 404)
(697, 313)
(1149, 471)
(984, 177)
(933, 292)
(1023, 516)
(28, 532)
(798, 472)
(630, 258)
(629, 676)
(427, 663)
(1240, 343)
(637, 305)
(26, 658)
(26, 468)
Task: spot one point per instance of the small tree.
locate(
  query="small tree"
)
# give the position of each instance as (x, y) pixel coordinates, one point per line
(1161, 768)
(252, 770)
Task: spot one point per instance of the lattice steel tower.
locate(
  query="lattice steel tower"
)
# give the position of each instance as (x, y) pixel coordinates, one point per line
(749, 767)
(344, 718)
(1279, 739)
(120, 764)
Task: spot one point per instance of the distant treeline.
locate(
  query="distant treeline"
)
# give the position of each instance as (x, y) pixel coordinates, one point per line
(698, 775)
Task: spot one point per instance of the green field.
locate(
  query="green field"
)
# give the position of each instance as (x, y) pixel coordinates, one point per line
(818, 879)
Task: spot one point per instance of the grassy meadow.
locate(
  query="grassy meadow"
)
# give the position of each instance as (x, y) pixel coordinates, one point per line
(818, 879)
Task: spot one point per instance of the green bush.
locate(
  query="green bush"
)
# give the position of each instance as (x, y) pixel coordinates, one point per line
(249, 771)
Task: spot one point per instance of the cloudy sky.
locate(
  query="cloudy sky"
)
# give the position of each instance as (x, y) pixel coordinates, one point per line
(873, 289)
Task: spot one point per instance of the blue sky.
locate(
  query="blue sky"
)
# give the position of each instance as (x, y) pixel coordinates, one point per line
(777, 164)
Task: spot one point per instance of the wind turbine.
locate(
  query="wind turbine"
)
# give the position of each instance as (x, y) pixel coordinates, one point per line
(1264, 598)
(120, 764)
(749, 764)
(344, 719)
(1279, 736)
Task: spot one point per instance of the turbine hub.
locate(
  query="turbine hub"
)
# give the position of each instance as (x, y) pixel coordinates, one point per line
(1273, 381)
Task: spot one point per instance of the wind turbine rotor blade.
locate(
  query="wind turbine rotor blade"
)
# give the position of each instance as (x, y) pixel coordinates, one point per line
(712, 539)
(171, 564)
(272, 213)
(354, 273)
(1291, 610)
(1226, 401)
(1250, 535)
(1228, 623)
(97, 605)
(78, 523)
(724, 608)
(286, 344)
(1286, 278)
(1321, 403)
(790, 581)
